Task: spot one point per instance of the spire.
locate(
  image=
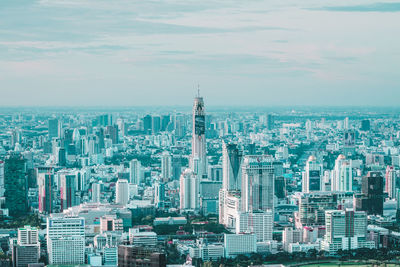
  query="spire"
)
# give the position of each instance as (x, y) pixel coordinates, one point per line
(198, 90)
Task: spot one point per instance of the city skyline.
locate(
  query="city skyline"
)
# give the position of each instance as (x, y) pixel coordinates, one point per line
(74, 53)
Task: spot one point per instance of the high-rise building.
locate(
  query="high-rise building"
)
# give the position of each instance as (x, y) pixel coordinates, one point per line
(122, 192)
(260, 223)
(345, 230)
(96, 190)
(371, 198)
(54, 128)
(312, 176)
(166, 166)
(165, 120)
(237, 244)
(176, 167)
(147, 124)
(66, 240)
(45, 181)
(342, 178)
(159, 194)
(365, 125)
(68, 189)
(135, 172)
(189, 191)
(290, 236)
(392, 182)
(1, 178)
(257, 183)
(231, 163)
(156, 124)
(26, 249)
(199, 153)
(15, 184)
(270, 123)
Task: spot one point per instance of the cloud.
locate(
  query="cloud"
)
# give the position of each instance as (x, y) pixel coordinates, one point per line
(376, 7)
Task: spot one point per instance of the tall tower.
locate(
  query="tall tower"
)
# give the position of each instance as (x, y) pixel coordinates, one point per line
(257, 183)
(199, 160)
(342, 179)
(312, 176)
(231, 161)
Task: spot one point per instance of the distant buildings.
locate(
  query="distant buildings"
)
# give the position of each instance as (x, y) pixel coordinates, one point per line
(122, 192)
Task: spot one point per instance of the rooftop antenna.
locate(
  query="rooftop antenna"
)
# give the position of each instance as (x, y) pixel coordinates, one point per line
(198, 90)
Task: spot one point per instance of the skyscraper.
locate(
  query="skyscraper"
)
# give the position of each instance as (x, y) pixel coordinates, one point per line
(54, 128)
(1, 178)
(15, 184)
(189, 191)
(391, 182)
(371, 198)
(231, 161)
(257, 183)
(135, 172)
(68, 190)
(45, 181)
(342, 179)
(66, 240)
(122, 192)
(166, 166)
(312, 176)
(199, 159)
(96, 190)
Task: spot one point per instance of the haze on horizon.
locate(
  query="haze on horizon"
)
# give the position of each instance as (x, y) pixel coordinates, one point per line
(278, 53)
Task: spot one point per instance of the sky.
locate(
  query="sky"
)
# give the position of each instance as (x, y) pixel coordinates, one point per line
(240, 53)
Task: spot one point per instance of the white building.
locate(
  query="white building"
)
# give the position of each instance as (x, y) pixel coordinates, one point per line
(142, 238)
(237, 244)
(291, 236)
(122, 192)
(259, 223)
(199, 149)
(391, 182)
(96, 188)
(66, 240)
(342, 178)
(345, 230)
(189, 191)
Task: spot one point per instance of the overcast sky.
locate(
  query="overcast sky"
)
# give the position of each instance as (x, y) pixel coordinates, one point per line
(142, 52)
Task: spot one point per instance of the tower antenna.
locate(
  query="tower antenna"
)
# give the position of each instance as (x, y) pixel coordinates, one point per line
(198, 90)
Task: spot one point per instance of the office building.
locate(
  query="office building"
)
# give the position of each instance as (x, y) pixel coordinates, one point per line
(66, 240)
(371, 198)
(96, 192)
(392, 182)
(259, 223)
(142, 238)
(345, 230)
(231, 163)
(45, 181)
(257, 183)
(54, 128)
(15, 184)
(166, 167)
(68, 189)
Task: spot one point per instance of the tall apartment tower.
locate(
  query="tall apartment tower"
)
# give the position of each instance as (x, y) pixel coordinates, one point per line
(122, 192)
(199, 153)
(342, 179)
(189, 191)
(391, 182)
(312, 176)
(66, 240)
(54, 128)
(257, 183)
(1, 178)
(135, 172)
(68, 190)
(166, 166)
